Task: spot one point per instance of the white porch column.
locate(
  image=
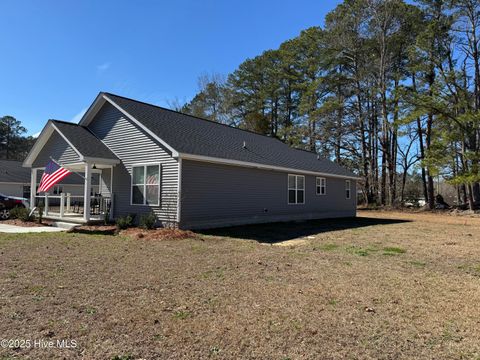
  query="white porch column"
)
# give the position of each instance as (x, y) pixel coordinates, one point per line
(68, 202)
(62, 205)
(45, 212)
(86, 193)
(33, 187)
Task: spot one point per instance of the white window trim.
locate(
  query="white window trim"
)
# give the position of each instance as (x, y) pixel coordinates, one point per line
(320, 186)
(348, 189)
(296, 189)
(144, 165)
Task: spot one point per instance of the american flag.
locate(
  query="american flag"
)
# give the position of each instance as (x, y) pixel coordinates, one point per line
(53, 174)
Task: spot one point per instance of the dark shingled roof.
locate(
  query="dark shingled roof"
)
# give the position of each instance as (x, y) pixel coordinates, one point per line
(83, 140)
(12, 171)
(191, 135)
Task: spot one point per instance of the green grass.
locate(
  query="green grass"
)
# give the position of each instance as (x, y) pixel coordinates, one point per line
(327, 247)
(332, 302)
(391, 251)
(181, 315)
(90, 310)
(472, 269)
(361, 251)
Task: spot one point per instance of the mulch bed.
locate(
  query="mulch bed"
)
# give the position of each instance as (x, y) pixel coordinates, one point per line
(136, 233)
(95, 229)
(158, 234)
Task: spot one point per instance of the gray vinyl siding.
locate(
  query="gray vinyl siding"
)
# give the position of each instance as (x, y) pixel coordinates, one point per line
(133, 146)
(57, 148)
(221, 195)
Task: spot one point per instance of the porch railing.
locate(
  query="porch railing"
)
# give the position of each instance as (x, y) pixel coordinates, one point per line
(65, 205)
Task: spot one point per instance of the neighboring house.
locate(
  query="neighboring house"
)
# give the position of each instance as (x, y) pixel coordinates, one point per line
(192, 172)
(15, 181)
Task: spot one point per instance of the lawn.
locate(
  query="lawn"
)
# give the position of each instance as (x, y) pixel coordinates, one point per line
(382, 286)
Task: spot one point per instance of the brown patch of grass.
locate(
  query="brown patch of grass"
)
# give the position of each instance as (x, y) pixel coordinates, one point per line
(332, 296)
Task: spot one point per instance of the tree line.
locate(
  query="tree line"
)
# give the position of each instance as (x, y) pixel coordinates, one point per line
(14, 145)
(386, 88)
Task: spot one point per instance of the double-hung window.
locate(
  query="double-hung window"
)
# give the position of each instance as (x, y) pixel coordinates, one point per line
(146, 184)
(347, 189)
(321, 186)
(296, 189)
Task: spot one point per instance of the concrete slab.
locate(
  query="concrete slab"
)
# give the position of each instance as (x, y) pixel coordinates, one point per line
(13, 229)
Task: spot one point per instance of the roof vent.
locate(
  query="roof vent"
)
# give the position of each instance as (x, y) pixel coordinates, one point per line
(244, 144)
(318, 157)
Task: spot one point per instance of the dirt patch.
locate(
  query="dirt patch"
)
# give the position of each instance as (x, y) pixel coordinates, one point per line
(95, 229)
(158, 234)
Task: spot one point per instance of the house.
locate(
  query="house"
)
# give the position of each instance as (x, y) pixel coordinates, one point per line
(189, 171)
(15, 181)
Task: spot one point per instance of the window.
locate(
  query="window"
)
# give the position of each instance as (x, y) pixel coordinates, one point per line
(296, 189)
(57, 189)
(347, 189)
(145, 185)
(321, 186)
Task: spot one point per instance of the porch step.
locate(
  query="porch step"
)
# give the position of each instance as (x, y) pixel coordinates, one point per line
(65, 225)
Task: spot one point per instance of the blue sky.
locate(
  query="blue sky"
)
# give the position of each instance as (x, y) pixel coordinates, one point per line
(57, 55)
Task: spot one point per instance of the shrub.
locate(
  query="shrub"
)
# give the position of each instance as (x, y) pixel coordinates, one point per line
(147, 221)
(124, 222)
(21, 213)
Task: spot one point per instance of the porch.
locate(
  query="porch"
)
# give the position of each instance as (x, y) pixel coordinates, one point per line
(71, 208)
(90, 202)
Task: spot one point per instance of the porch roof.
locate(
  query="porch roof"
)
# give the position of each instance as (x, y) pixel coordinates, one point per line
(83, 140)
(88, 147)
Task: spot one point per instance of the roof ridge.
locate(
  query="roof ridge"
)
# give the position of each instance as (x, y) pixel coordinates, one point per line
(65, 122)
(193, 116)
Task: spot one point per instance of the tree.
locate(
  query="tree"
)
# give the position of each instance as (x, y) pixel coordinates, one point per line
(11, 131)
(385, 88)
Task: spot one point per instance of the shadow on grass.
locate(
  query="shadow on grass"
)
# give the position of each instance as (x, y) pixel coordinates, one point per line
(282, 231)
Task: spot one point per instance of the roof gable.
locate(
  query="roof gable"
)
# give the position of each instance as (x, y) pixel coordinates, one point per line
(79, 139)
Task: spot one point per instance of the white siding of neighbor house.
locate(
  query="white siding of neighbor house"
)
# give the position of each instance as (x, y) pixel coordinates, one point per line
(133, 146)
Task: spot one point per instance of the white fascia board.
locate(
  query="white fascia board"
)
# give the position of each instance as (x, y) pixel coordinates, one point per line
(101, 161)
(92, 110)
(215, 160)
(143, 127)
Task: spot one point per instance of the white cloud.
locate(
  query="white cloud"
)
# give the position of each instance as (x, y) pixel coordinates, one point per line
(79, 116)
(103, 67)
(36, 135)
